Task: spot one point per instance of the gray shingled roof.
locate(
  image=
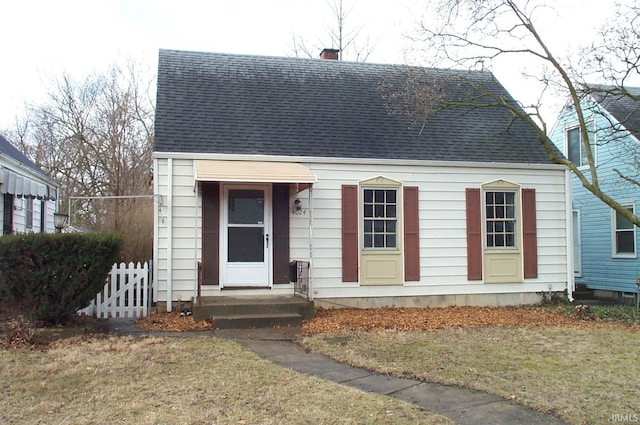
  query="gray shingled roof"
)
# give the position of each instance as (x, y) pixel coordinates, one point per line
(623, 108)
(7, 149)
(237, 104)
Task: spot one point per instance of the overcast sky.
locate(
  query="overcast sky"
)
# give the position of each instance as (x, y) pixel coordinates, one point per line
(41, 39)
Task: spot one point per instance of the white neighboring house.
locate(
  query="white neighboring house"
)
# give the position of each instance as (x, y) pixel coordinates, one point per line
(28, 197)
(259, 161)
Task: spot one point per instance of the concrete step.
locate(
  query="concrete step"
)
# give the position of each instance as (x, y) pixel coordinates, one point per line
(249, 321)
(205, 308)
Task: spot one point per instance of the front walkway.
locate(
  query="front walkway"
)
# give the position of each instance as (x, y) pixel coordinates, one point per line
(462, 405)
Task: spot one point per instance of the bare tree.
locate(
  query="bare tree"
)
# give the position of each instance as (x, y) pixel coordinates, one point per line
(475, 33)
(95, 138)
(350, 43)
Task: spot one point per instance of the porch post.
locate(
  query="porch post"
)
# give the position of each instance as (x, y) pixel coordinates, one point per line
(310, 294)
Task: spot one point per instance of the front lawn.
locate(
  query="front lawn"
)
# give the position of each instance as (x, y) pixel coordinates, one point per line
(198, 380)
(583, 370)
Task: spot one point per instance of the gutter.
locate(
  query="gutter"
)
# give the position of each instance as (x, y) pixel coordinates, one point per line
(569, 235)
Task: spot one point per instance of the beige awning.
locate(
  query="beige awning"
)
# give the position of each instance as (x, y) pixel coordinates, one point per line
(253, 172)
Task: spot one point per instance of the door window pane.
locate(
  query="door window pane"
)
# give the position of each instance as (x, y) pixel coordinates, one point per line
(246, 206)
(246, 245)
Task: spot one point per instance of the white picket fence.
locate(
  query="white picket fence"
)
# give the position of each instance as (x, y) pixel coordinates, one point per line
(127, 293)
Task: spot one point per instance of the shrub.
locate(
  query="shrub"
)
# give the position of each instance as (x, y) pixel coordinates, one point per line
(49, 277)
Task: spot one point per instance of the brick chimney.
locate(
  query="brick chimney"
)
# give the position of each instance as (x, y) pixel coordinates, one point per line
(331, 54)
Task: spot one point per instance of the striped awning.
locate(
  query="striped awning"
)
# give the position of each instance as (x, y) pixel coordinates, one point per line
(253, 172)
(23, 186)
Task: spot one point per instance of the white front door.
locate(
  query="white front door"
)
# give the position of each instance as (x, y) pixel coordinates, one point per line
(245, 236)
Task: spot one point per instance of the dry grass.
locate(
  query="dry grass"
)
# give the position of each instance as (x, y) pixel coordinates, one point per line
(583, 375)
(203, 380)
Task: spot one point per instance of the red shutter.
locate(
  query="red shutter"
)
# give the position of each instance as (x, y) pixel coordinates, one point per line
(210, 233)
(411, 234)
(529, 230)
(280, 198)
(349, 233)
(474, 235)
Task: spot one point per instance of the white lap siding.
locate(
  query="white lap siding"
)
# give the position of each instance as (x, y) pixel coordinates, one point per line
(442, 227)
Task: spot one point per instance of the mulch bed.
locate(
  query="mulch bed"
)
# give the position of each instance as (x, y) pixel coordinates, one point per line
(403, 319)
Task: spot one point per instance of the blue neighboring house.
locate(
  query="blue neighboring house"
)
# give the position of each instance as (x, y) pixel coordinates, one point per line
(605, 243)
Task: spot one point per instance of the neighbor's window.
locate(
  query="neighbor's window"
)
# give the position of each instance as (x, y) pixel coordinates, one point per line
(29, 213)
(500, 219)
(625, 234)
(380, 214)
(575, 148)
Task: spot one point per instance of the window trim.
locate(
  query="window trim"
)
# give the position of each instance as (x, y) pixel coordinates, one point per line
(594, 146)
(614, 234)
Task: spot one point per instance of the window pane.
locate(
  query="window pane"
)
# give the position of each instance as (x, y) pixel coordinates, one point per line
(499, 212)
(489, 240)
(490, 212)
(378, 226)
(499, 197)
(379, 211)
(391, 211)
(379, 196)
(499, 226)
(511, 198)
(391, 226)
(488, 198)
(368, 211)
(391, 241)
(391, 196)
(624, 242)
(245, 244)
(246, 206)
(509, 226)
(499, 240)
(622, 222)
(378, 241)
(490, 227)
(510, 240)
(368, 226)
(368, 196)
(368, 241)
(511, 212)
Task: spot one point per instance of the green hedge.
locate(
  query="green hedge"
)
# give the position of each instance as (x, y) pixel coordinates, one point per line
(49, 277)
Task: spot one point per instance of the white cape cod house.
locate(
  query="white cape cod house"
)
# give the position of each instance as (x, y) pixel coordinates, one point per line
(27, 195)
(261, 161)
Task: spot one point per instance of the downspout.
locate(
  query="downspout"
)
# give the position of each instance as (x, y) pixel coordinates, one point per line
(569, 235)
(310, 295)
(169, 234)
(195, 245)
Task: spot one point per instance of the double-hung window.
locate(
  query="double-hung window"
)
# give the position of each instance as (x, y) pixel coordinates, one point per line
(624, 237)
(380, 215)
(500, 219)
(29, 213)
(576, 150)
